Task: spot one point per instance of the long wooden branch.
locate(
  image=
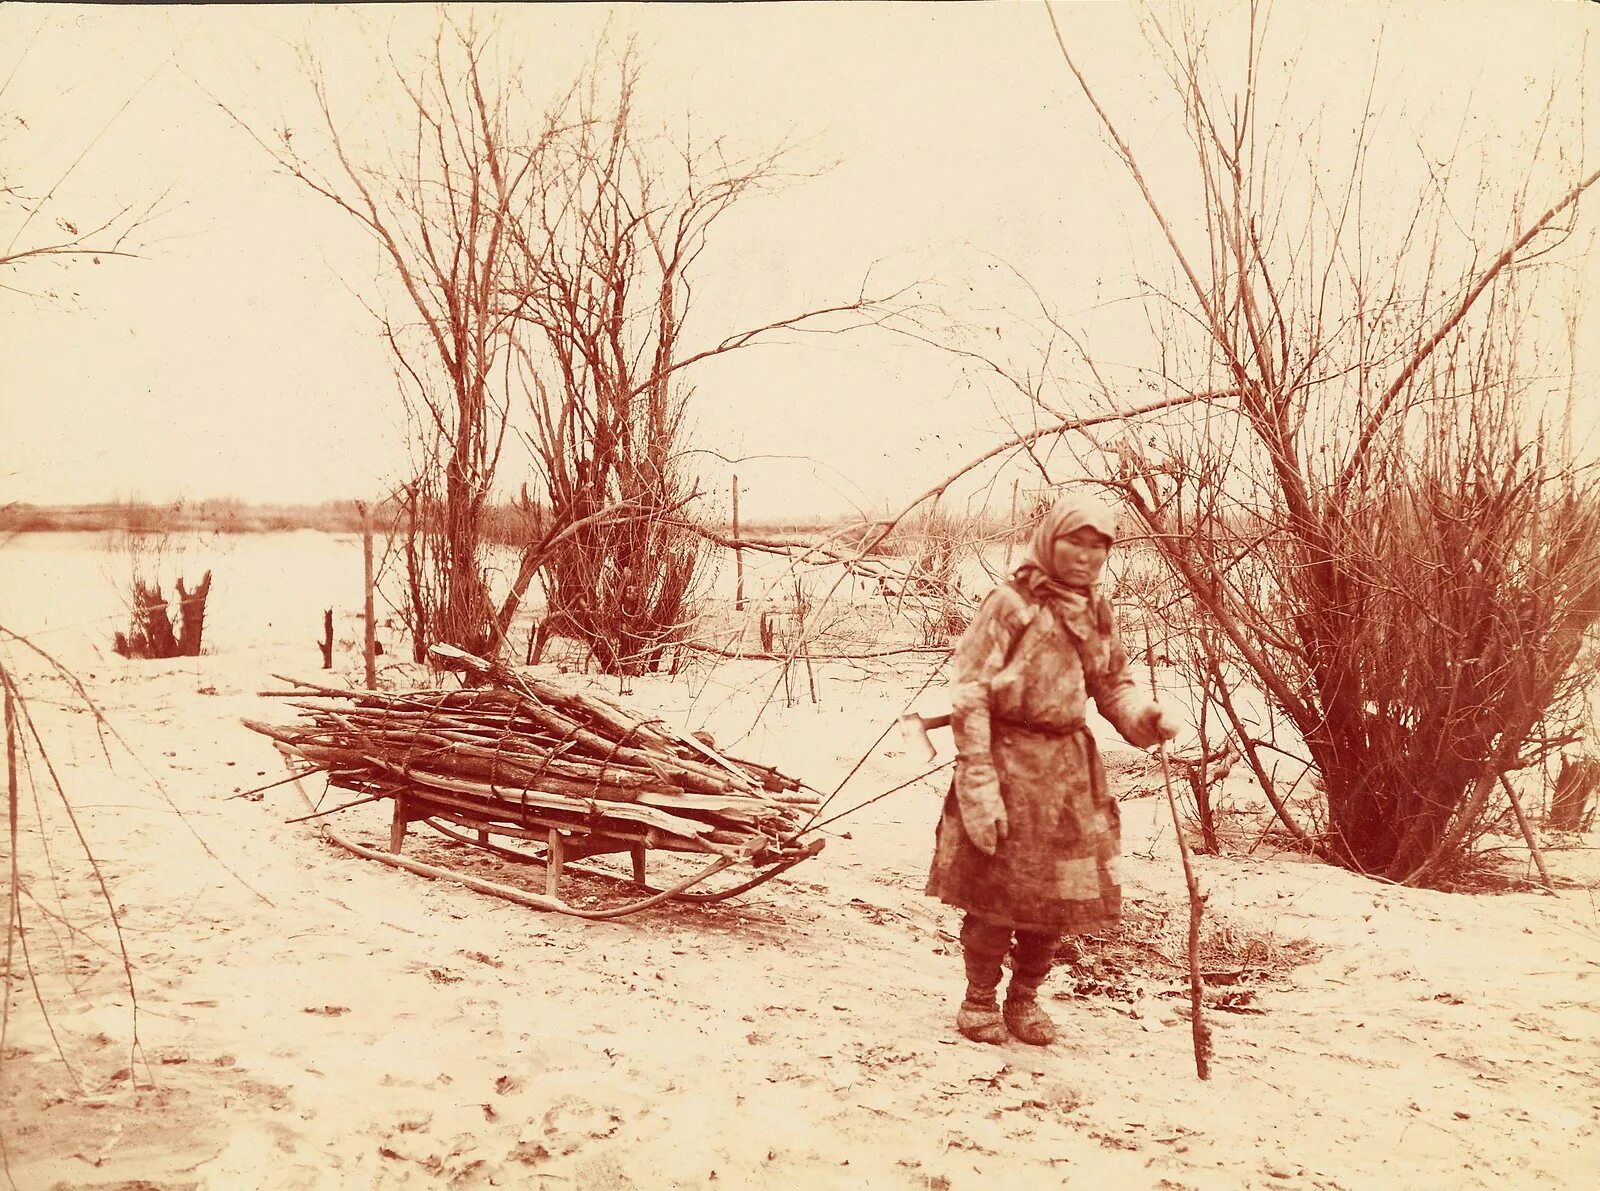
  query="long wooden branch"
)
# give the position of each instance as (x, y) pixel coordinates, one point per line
(886, 525)
(1527, 835)
(754, 335)
(782, 547)
(1425, 351)
(1130, 162)
(1065, 426)
(759, 656)
(1252, 757)
(1199, 1031)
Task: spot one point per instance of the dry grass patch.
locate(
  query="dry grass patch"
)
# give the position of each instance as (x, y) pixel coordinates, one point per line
(1147, 956)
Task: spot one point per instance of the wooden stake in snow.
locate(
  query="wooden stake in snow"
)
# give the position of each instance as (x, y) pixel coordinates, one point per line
(369, 641)
(326, 644)
(738, 554)
(1197, 902)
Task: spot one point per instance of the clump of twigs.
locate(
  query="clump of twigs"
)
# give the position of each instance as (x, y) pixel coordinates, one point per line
(1146, 955)
(926, 582)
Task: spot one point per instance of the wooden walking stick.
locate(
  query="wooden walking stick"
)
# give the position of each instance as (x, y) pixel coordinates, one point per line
(1197, 901)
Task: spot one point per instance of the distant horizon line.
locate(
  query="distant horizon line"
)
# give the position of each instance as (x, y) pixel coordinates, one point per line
(246, 515)
(117, 502)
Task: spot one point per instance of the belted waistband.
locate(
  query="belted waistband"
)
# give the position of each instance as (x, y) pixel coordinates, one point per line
(1033, 728)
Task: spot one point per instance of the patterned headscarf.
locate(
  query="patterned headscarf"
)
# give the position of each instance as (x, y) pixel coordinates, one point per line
(1072, 604)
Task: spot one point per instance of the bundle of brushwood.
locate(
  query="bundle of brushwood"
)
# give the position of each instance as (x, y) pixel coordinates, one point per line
(528, 754)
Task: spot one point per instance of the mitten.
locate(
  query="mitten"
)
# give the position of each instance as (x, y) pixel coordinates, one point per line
(983, 811)
(1159, 724)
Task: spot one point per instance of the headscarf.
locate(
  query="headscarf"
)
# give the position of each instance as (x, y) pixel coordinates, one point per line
(1072, 512)
(1073, 605)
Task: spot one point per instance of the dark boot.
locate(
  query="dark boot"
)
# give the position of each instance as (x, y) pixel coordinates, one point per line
(1030, 964)
(983, 950)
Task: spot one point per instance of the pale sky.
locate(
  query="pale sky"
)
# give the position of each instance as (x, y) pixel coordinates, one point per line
(234, 360)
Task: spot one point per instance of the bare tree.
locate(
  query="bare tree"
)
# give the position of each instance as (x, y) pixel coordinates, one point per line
(1384, 538)
(444, 197)
(546, 255)
(606, 286)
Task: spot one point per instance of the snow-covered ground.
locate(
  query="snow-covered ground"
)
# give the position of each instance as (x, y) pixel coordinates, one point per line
(306, 1019)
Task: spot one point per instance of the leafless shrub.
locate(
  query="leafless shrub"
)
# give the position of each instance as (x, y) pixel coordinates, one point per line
(443, 201)
(1385, 539)
(602, 288)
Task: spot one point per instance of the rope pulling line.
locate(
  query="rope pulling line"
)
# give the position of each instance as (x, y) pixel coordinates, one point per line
(811, 824)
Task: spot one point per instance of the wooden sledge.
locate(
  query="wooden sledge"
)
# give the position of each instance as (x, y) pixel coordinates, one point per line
(530, 769)
(557, 845)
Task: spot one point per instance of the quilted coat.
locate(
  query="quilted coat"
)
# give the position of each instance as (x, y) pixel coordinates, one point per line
(1023, 675)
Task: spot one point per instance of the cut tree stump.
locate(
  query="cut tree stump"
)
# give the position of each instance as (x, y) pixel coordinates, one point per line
(151, 634)
(326, 644)
(192, 616)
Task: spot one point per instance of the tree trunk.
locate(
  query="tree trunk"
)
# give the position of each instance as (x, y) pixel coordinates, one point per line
(1574, 788)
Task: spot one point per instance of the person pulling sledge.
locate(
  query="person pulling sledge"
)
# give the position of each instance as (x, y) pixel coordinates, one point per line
(1029, 839)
